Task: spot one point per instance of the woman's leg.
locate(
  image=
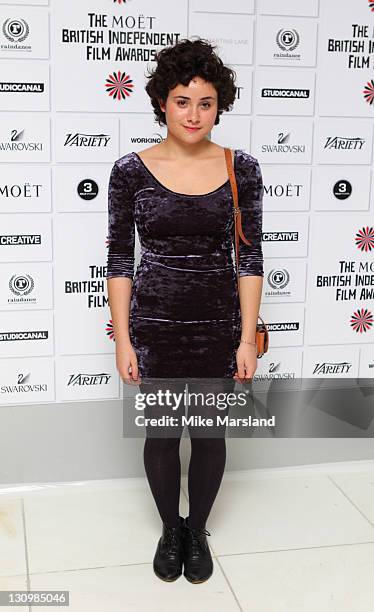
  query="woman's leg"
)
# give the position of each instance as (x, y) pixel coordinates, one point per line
(205, 472)
(161, 457)
(208, 451)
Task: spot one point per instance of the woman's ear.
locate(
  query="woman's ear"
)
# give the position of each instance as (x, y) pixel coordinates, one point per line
(161, 104)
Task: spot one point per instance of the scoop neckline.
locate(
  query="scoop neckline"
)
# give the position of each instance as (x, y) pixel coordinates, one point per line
(186, 195)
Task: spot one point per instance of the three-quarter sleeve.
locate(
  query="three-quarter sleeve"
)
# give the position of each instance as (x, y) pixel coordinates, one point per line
(251, 260)
(121, 227)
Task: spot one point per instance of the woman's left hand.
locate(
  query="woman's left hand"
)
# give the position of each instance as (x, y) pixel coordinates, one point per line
(246, 360)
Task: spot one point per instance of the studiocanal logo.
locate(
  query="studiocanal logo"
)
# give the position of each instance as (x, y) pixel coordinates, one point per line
(119, 85)
(25, 87)
(369, 90)
(285, 93)
(364, 239)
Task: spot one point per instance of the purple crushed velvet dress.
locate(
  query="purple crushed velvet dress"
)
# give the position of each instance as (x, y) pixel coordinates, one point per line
(184, 318)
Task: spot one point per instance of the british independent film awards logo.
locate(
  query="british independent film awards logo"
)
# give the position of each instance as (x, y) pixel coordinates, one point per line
(119, 85)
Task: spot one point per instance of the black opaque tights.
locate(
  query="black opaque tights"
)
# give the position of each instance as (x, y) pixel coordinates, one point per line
(207, 463)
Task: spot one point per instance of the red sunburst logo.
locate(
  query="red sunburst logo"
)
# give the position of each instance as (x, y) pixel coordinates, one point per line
(119, 1)
(371, 5)
(365, 239)
(110, 330)
(369, 91)
(361, 320)
(119, 85)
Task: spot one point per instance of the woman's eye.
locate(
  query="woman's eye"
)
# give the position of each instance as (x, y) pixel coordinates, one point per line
(181, 102)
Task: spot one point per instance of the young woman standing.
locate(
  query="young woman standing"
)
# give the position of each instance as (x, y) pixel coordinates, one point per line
(183, 314)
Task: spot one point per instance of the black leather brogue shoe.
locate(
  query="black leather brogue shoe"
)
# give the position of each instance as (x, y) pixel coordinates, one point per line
(198, 562)
(168, 559)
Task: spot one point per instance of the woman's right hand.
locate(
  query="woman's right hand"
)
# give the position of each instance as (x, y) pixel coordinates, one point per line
(127, 365)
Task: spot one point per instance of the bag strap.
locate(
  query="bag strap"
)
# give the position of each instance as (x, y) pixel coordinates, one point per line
(236, 209)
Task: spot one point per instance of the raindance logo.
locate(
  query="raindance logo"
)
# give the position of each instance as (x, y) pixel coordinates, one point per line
(288, 40)
(361, 320)
(369, 90)
(365, 239)
(371, 5)
(16, 30)
(119, 85)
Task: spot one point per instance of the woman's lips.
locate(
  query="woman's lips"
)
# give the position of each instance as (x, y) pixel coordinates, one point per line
(190, 129)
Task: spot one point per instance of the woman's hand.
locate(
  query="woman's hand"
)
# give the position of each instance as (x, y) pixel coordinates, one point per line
(127, 365)
(246, 360)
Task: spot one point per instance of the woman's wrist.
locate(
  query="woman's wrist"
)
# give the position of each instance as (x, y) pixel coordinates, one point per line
(245, 341)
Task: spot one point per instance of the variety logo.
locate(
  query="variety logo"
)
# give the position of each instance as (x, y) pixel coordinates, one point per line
(339, 367)
(86, 140)
(15, 143)
(119, 85)
(21, 285)
(342, 189)
(338, 142)
(16, 30)
(365, 239)
(285, 93)
(369, 92)
(21, 87)
(84, 380)
(361, 320)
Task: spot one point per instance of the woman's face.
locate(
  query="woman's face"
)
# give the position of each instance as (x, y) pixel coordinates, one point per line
(191, 106)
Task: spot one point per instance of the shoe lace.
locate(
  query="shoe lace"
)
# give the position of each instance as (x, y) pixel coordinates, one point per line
(195, 539)
(171, 540)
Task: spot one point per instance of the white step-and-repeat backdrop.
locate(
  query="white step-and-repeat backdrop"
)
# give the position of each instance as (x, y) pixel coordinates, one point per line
(73, 101)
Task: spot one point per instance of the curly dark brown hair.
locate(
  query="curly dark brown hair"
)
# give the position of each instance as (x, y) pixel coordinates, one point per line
(180, 63)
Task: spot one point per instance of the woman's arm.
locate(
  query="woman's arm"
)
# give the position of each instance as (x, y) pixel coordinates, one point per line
(251, 259)
(120, 268)
(251, 269)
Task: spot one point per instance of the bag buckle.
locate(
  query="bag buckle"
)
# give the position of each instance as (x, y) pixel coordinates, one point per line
(236, 210)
